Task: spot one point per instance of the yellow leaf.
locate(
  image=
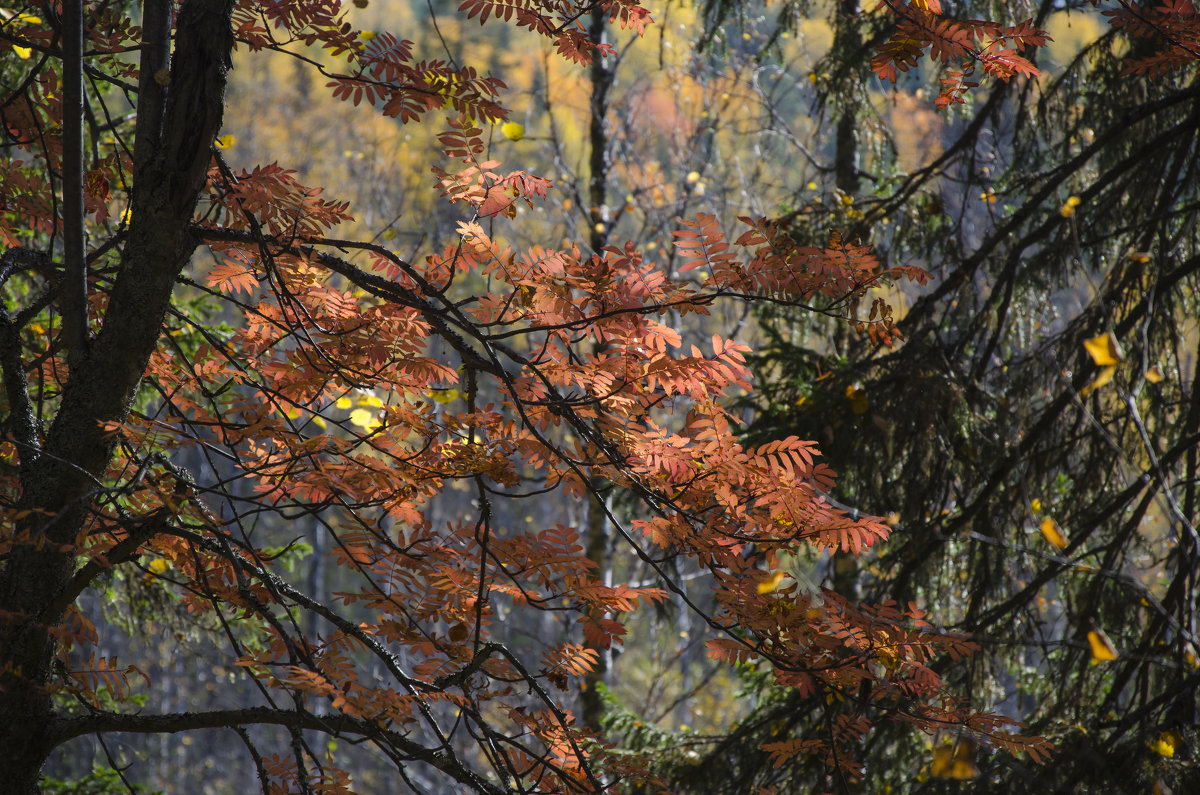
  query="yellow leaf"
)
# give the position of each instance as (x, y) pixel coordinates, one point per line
(1165, 744)
(512, 130)
(1102, 647)
(1103, 377)
(23, 52)
(1053, 533)
(1036, 505)
(226, 141)
(858, 399)
(365, 419)
(943, 759)
(1155, 374)
(389, 234)
(955, 761)
(964, 770)
(693, 176)
(367, 35)
(771, 583)
(1105, 349)
(344, 403)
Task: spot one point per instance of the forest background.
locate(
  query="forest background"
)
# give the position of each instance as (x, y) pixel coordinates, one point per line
(1029, 440)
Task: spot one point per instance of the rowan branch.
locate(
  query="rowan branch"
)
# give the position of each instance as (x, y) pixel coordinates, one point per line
(334, 725)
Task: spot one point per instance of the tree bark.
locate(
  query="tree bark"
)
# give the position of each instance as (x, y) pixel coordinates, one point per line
(591, 705)
(60, 480)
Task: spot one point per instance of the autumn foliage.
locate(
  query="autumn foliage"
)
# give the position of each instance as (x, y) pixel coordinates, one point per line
(358, 390)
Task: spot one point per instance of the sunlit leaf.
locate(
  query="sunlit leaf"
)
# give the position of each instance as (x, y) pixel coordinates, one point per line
(1102, 648)
(1155, 374)
(1104, 349)
(1053, 533)
(1165, 744)
(955, 762)
(512, 130)
(771, 583)
(366, 419)
(1102, 378)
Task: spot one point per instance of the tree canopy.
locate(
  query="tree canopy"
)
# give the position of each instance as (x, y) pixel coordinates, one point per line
(1034, 439)
(218, 382)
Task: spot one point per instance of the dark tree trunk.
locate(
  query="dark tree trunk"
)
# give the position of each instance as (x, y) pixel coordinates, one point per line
(591, 706)
(61, 475)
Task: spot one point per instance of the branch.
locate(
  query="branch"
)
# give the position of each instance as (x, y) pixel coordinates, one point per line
(158, 246)
(125, 549)
(74, 297)
(66, 729)
(373, 284)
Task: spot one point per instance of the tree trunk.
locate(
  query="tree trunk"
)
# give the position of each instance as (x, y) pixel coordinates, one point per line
(61, 476)
(591, 706)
